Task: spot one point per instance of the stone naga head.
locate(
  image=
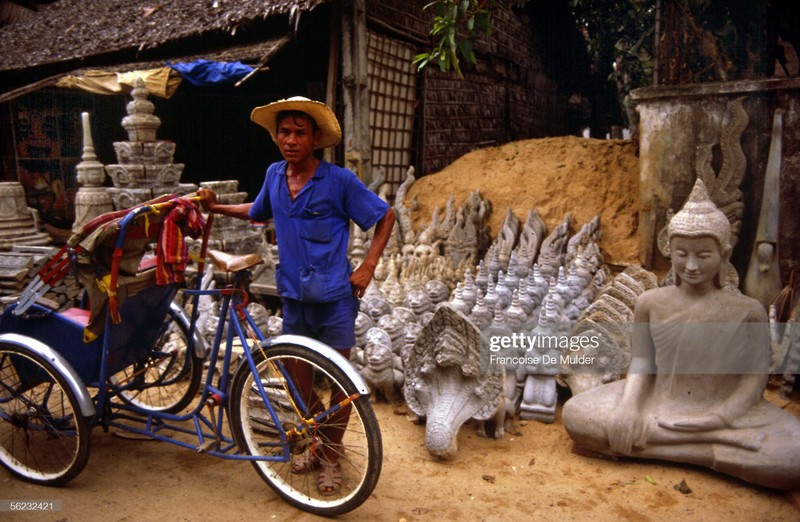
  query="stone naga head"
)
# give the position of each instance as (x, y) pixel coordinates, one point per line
(446, 380)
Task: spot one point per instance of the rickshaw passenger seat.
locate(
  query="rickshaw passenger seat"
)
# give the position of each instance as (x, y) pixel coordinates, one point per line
(147, 263)
(77, 315)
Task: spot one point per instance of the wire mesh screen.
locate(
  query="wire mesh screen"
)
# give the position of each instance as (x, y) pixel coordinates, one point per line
(392, 87)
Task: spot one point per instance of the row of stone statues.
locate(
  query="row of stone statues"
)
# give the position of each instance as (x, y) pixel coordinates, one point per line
(673, 403)
(525, 281)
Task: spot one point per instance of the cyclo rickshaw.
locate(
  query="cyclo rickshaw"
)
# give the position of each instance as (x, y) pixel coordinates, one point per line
(133, 360)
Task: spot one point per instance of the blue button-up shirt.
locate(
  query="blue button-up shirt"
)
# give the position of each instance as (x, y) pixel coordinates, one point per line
(313, 230)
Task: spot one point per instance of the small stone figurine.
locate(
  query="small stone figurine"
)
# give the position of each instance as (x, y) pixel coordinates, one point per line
(380, 368)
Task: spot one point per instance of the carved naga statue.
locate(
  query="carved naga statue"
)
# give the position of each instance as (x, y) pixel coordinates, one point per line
(447, 381)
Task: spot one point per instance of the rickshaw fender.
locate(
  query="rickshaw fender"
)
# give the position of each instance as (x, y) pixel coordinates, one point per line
(200, 347)
(61, 365)
(327, 352)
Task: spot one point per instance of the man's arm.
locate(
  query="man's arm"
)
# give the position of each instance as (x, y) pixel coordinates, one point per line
(209, 200)
(362, 275)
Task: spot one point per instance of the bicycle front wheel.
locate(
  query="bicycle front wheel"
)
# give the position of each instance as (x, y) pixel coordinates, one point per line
(44, 437)
(350, 437)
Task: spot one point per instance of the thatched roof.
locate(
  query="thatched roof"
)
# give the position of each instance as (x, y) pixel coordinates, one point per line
(71, 31)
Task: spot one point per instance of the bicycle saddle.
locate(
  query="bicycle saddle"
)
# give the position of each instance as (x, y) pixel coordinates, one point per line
(233, 262)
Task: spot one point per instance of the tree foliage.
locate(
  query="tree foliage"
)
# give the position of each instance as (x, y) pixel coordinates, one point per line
(619, 38)
(706, 40)
(456, 25)
(697, 41)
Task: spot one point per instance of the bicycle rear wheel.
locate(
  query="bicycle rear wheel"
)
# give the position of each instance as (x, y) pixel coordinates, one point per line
(44, 438)
(359, 453)
(168, 379)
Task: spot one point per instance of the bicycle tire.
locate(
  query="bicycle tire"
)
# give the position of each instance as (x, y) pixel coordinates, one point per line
(44, 437)
(169, 378)
(360, 453)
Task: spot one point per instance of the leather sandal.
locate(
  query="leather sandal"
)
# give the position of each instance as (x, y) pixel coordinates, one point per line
(305, 463)
(330, 479)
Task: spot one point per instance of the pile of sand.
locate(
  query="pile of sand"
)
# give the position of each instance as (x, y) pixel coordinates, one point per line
(555, 176)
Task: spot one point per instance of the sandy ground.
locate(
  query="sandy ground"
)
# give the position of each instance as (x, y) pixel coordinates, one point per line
(532, 472)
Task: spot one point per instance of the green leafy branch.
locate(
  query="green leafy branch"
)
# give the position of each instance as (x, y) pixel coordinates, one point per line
(456, 24)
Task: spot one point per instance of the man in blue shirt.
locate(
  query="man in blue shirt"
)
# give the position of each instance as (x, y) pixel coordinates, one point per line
(311, 203)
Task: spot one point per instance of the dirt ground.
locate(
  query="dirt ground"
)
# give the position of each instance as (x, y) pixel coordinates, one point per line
(532, 472)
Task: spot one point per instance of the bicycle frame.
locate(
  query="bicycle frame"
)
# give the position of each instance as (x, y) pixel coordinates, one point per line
(214, 442)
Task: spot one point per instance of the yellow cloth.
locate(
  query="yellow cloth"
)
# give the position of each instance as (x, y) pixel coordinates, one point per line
(161, 82)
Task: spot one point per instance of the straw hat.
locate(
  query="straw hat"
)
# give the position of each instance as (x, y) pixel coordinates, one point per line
(267, 117)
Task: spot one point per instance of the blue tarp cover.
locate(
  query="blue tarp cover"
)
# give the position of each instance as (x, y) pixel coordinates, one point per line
(205, 72)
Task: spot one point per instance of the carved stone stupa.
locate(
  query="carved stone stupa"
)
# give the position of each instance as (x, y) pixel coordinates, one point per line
(145, 169)
(227, 233)
(92, 198)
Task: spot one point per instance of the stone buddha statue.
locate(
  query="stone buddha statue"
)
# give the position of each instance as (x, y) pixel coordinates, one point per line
(694, 391)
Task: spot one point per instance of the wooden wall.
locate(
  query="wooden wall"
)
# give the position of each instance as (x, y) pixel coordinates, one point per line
(506, 96)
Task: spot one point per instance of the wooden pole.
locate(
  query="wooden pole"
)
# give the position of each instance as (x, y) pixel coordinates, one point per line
(333, 71)
(356, 89)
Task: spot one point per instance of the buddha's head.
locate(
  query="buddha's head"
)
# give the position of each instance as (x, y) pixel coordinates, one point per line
(700, 218)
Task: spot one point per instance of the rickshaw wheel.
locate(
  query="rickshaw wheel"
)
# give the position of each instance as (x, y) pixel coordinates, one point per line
(44, 437)
(169, 378)
(291, 470)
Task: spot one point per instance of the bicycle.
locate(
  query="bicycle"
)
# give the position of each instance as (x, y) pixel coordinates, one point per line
(145, 370)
